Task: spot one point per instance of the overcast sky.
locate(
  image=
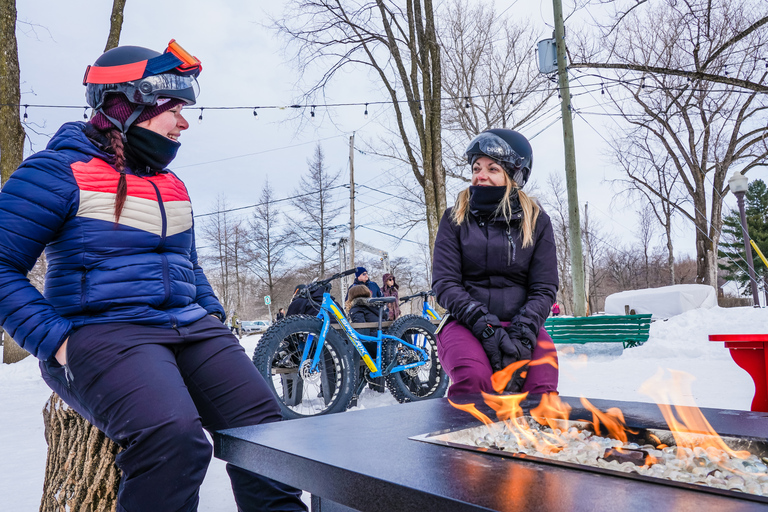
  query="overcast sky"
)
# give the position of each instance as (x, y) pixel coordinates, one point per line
(231, 153)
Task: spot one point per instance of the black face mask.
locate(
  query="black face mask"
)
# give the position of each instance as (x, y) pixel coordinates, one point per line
(149, 149)
(483, 201)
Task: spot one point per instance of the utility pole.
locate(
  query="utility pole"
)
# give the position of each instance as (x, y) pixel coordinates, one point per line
(574, 222)
(352, 200)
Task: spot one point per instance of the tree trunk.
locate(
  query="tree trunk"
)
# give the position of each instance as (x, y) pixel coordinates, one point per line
(670, 254)
(115, 24)
(80, 472)
(11, 131)
(12, 352)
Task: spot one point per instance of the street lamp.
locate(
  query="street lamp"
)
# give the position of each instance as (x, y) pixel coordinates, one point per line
(739, 185)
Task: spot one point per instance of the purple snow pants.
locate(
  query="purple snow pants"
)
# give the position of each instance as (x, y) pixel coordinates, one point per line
(153, 391)
(464, 359)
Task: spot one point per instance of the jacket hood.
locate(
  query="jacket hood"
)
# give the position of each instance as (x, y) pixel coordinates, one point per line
(71, 136)
(361, 301)
(387, 276)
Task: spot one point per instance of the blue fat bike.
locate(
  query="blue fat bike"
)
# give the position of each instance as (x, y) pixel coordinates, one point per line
(426, 310)
(314, 368)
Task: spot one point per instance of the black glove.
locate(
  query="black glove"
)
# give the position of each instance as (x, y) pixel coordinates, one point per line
(520, 347)
(489, 332)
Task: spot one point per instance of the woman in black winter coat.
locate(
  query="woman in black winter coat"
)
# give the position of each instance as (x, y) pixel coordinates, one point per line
(495, 271)
(359, 310)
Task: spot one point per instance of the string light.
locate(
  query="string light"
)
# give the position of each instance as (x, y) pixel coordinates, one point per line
(25, 114)
(200, 119)
(85, 113)
(420, 111)
(642, 82)
(466, 101)
(511, 98)
(312, 112)
(602, 88)
(365, 114)
(255, 114)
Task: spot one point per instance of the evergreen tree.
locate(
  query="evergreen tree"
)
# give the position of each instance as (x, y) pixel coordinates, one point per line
(732, 255)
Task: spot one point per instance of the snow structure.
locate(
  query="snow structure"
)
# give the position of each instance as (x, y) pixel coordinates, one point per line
(663, 302)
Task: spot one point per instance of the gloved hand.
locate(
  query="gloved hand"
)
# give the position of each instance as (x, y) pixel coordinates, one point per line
(520, 347)
(492, 336)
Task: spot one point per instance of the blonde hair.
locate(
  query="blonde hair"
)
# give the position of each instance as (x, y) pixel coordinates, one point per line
(530, 209)
(357, 291)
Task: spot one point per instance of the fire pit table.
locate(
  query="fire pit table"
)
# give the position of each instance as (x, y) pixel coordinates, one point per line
(366, 460)
(750, 352)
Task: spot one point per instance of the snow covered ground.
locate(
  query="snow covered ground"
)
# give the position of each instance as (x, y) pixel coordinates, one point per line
(678, 343)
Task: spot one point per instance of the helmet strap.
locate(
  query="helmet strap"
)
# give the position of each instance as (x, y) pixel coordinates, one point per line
(123, 127)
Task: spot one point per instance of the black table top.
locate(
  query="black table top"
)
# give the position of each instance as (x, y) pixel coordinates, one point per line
(364, 459)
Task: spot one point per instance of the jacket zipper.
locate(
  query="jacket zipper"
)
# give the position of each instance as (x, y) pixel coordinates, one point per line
(511, 250)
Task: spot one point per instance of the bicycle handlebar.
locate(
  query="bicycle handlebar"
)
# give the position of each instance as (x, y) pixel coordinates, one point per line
(428, 293)
(327, 281)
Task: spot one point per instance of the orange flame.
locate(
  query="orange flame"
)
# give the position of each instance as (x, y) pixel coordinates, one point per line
(500, 379)
(612, 419)
(471, 409)
(665, 390)
(507, 407)
(551, 356)
(552, 412)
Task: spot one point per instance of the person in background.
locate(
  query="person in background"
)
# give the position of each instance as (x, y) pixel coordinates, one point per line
(128, 331)
(391, 289)
(236, 325)
(495, 271)
(361, 277)
(555, 309)
(360, 311)
(301, 305)
(280, 315)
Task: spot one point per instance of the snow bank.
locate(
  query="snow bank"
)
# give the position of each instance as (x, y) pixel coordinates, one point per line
(663, 302)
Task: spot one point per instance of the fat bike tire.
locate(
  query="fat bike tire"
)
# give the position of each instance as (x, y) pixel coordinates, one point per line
(299, 392)
(421, 382)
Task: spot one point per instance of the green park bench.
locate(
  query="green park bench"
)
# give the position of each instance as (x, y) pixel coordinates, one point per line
(630, 330)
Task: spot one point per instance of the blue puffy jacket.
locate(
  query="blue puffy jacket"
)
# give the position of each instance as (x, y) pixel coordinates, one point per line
(142, 270)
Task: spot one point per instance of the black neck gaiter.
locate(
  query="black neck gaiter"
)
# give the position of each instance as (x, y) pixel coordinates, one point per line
(149, 149)
(484, 201)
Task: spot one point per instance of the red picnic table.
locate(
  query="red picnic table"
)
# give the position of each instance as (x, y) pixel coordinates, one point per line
(750, 352)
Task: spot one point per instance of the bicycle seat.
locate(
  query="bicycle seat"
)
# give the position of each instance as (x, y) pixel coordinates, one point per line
(381, 300)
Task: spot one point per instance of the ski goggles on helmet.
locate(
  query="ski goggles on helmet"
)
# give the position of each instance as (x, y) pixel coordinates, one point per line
(494, 147)
(174, 60)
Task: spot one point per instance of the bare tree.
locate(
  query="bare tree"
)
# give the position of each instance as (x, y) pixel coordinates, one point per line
(398, 43)
(706, 126)
(608, 51)
(115, 24)
(318, 208)
(645, 236)
(649, 176)
(269, 243)
(555, 203)
(490, 77)
(225, 254)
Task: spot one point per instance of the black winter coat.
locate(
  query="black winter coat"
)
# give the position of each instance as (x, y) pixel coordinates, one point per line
(301, 306)
(361, 311)
(481, 267)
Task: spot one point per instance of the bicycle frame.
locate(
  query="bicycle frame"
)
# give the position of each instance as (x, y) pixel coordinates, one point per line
(429, 313)
(327, 308)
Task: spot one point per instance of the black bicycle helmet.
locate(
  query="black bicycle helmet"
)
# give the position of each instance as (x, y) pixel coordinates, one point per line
(508, 147)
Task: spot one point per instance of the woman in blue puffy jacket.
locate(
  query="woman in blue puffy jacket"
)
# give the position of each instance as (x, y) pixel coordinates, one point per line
(128, 331)
(495, 271)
